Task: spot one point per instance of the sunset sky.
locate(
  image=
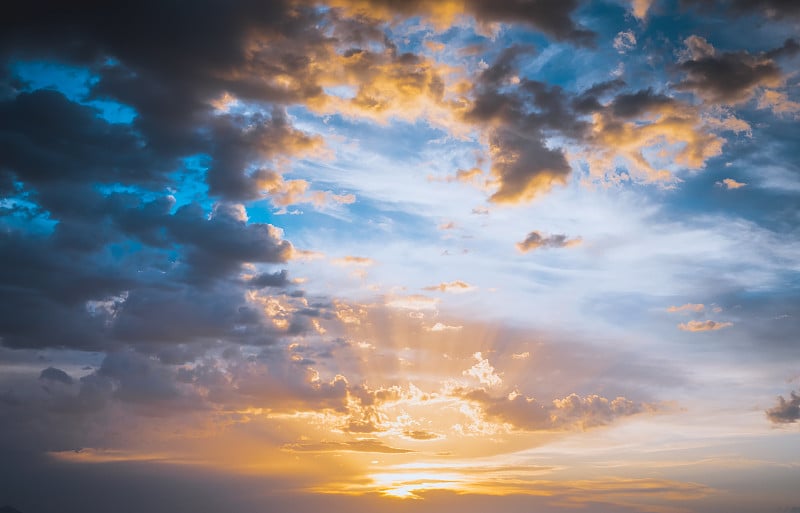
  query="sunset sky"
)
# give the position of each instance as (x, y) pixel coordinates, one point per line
(360, 256)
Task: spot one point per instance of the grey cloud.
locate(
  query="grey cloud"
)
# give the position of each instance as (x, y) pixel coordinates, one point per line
(772, 9)
(552, 18)
(516, 118)
(785, 412)
(536, 240)
(57, 375)
(731, 77)
(276, 279)
(571, 412)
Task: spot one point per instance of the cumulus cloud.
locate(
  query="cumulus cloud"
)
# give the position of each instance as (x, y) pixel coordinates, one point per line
(729, 77)
(785, 412)
(632, 125)
(573, 411)
(483, 371)
(707, 325)
(537, 240)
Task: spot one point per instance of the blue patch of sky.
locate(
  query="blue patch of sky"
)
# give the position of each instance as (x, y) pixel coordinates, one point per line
(188, 182)
(73, 82)
(368, 220)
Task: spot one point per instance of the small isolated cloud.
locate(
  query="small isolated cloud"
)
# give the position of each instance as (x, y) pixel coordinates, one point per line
(730, 183)
(483, 371)
(353, 260)
(481, 211)
(453, 286)
(536, 240)
(688, 307)
(520, 356)
(443, 327)
(625, 41)
(785, 412)
(707, 325)
(447, 226)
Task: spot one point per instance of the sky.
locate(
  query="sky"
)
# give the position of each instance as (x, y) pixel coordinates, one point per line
(390, 256)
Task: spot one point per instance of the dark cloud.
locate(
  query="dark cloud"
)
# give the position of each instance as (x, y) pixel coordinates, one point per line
(47, 139)
(517, 114)
(785, 412)
(536, 240)
(276, 279)
(729, 77)
(552, 18)
(772, 9)
(57, 375)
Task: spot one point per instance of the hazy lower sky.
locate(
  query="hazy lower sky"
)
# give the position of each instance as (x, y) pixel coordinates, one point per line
(448, 256)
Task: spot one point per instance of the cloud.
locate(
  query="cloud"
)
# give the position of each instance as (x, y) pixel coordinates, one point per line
(453, 286)
(416, 302)
(536, 240)
(785, 412)
(729, 77)
(483, 371)
(276, 279)
(517, 112)
(365, 445)
(56, 375)
(707, 325)
(730, 183)
(640, 8)
(652, 134)
(554, 19)
(354, 260)
(772, 9)
(778, 102)
(573, 411)
(521, 356)
(420, 434)
(625, 41)
(444, 327)
(688, 307)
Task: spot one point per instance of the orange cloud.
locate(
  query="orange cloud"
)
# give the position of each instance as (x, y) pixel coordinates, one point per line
(453, 286)
(688, 307)
(708, 325)
(730, 183)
